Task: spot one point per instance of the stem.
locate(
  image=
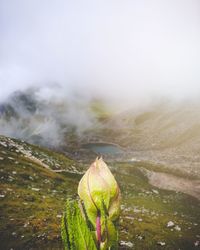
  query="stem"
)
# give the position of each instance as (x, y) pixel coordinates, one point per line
(98, 228)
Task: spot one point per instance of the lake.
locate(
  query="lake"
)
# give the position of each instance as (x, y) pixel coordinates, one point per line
(104, 148)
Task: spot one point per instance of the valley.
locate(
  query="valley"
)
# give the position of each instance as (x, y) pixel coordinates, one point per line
(153, 153)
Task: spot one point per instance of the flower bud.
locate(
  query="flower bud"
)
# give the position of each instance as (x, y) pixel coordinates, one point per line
(99, 190)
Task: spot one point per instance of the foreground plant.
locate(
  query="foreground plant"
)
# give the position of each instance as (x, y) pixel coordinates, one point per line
(91, 222)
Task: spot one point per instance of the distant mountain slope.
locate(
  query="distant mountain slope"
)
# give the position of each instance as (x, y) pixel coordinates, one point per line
(167, 133)
(164, 133)
(48, 119)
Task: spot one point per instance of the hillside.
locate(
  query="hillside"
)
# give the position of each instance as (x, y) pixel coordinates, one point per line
(33, 194)
(164, 133)
(35, 183)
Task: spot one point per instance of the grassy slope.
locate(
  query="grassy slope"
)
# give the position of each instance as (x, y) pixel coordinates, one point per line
(34, 197)
(32, 201)
(147, 210)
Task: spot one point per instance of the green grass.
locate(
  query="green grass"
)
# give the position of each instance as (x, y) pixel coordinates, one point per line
(34, 200)
(147, 210)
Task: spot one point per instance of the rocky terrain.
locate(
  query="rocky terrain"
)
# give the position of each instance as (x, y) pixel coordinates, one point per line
(35, 183)
(153, 153)
(168, 134)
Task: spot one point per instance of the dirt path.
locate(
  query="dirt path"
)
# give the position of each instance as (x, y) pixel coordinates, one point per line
(171, 182)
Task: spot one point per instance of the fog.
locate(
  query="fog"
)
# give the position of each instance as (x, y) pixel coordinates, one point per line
(64, 54)
(126, 51)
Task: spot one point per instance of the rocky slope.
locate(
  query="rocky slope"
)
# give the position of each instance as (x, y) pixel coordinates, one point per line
(35, 183)
(166, 134)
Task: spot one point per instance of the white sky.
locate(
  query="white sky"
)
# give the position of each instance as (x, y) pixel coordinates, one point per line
(124, 49)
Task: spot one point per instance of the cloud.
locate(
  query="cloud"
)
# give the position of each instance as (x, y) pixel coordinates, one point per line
(126, 51)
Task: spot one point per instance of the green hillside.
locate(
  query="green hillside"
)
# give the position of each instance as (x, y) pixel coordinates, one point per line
(33, 194)
(35, 183)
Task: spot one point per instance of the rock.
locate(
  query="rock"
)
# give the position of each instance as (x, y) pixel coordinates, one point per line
(35, 189)
(170, 224)
(155, 191)
(126, 243)
(10, 158)
(135, 210)
(161, 243)
(177, 228)
(26, 224)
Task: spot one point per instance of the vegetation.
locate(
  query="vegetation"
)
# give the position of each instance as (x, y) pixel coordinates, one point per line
(33, 198)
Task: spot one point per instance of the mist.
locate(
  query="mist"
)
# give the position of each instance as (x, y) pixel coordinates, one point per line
(125, 51)
(64, 54)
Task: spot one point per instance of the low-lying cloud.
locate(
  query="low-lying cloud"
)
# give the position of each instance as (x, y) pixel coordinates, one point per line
(40, 116)
(126, 51)
(65, 53)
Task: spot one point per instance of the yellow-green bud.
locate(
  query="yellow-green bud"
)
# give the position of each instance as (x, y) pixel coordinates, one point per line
(99, 190)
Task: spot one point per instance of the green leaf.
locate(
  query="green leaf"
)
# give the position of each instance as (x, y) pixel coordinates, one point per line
(74, 229)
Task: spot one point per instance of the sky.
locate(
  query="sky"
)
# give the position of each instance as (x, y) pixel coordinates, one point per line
(124, 50)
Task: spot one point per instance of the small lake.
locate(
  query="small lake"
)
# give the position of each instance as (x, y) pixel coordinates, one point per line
(103, 148)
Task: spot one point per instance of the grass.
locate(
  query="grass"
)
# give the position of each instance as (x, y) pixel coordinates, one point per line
(147, 211)
(33, 198)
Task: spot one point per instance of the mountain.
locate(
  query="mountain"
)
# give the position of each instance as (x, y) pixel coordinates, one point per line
(53, 121)
(165, 133)
(35, 182)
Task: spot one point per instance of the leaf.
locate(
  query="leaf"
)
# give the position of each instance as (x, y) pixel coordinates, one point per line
(74, 229)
